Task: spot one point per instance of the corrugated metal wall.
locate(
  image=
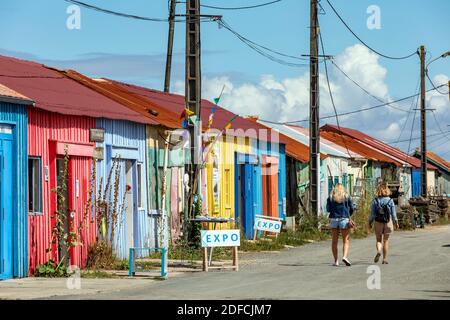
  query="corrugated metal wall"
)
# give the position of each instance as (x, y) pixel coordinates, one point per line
(44, 127)
(17, 115)
(226, 149)
(127, 139)
(174, 184)
(278, 151)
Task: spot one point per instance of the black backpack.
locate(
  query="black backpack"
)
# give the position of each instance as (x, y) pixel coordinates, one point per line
(383, 213)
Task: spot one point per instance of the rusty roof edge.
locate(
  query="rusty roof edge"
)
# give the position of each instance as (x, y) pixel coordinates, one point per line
(91, 84)
(395, 159)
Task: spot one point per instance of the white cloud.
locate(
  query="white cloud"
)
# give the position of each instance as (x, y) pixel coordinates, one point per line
(288, 99)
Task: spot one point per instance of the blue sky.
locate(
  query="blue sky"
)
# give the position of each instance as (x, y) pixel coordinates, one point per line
(134, 51)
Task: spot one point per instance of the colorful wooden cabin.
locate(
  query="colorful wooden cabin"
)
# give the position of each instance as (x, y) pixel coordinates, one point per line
(13, 183)
(66, 113)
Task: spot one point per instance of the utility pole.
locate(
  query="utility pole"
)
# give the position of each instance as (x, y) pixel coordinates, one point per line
(173, 4)
(423, 124)
(314, 130)
(193, 94)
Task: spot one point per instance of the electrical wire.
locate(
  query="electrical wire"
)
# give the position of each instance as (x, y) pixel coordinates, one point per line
(438, 125)
(331, 94)
(240, 8)
(354, 111)
(262, 49)
(412, 130)
(417, 138)
(411, 110)
(366, 91)
(364, 43)
(132, 16)
(30, 77)
(432, 83)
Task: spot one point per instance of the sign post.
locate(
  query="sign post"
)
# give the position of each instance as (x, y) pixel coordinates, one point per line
(267, 224)
(220, 238)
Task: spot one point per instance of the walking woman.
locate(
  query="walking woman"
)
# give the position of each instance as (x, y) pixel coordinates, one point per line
(384, 215)
(341, 208)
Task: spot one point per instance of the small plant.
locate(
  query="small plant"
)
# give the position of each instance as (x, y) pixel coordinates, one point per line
(108, 217)
(50, 269)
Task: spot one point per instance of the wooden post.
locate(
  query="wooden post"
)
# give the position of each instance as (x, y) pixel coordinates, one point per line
(235, 259)
(205, 259)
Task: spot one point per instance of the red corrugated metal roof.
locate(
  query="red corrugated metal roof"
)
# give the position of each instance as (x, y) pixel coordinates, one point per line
(239, 127)
(434, 157)
(305, 131)
(9, 93)
(356, 146)
(176, 103)
(294, 148)
(395, 154)
(54, 92)
(143, 106)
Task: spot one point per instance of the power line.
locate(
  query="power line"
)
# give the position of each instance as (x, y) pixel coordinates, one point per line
(412, 130)
(240, 8)
(331, 94)
(417, 138)
(131, 16)
(354, 111)
(410, 109)
(439, 126)
(30, 77)
(262, 49)
(366, 91)
(432, 83)
(364, 43)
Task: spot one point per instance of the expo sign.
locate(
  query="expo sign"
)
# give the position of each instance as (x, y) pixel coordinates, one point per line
(267, 225)
(220, 238)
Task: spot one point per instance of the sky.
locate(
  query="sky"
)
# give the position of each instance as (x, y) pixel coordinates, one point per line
(134, 51)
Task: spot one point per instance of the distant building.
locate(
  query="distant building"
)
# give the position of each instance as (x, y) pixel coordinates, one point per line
(442, 177)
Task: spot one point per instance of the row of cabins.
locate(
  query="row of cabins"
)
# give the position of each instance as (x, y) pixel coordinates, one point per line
(359, 162)
(254, 168)
(47, 113)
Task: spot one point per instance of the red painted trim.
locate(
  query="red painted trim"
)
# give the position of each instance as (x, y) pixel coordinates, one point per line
(74, 149)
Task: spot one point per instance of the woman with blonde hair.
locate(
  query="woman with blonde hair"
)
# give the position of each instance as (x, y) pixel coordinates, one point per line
(384, 214)
(341, 208)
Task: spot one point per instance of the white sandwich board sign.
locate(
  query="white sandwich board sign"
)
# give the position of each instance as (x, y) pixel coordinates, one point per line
(220, 238)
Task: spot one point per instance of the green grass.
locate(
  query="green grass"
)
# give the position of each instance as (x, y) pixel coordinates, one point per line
(97, 274)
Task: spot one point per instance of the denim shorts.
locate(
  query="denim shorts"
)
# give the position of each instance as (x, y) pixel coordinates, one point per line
(339, 223)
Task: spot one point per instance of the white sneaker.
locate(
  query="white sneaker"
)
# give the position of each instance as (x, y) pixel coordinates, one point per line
(346, 261)
(336, 264)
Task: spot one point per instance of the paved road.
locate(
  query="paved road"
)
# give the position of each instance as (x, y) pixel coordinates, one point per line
(419, 269)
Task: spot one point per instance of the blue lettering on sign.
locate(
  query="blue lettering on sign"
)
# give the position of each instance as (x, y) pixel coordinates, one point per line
(225, 237)
(216, 238)
(234, 237)
(208, 238)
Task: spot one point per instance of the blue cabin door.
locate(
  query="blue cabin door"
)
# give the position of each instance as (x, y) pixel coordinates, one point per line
(247, 187)
(416, 182)
(245, 193)
(6, 205)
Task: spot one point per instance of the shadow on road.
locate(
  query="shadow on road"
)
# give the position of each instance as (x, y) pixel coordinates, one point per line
(437, 293)
(354, 263)
(446, 246)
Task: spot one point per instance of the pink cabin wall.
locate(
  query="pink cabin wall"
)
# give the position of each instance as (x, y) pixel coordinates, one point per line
(45, 130)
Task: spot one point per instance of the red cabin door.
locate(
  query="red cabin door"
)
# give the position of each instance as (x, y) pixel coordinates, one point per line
(270, 186)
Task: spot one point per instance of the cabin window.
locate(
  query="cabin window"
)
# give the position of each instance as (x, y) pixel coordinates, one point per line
(344, 180)
(330, 185)
(34, 185)
(139, 186)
